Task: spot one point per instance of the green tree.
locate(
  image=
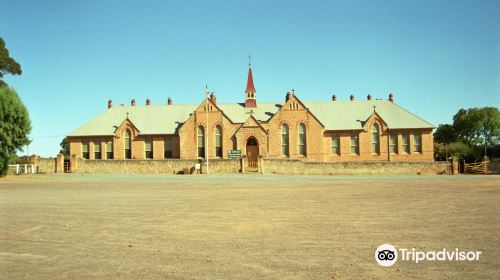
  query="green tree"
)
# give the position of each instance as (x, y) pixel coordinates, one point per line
(462, 151)
(489, 123)
(7, 64)
(445, 133)
(15, 126)
(478, 126)
(64, 147)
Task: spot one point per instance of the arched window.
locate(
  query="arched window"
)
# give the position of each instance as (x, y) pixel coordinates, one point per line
(128, 144)
(375, 139)
(302, 139)
(201, 142)
(218, 141)
(284, 140)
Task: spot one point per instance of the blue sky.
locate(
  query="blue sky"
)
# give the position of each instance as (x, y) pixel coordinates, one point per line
(435, 56)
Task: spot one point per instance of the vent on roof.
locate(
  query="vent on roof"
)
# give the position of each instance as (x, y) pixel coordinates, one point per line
(391, 97)
(334, 97)
(148, 102)
(352, 97)
(169, 101)
(110, 104)
(369, 97)
(288, 96)
(132, 102)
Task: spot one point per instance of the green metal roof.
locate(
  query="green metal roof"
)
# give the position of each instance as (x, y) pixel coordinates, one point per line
(149, 120)
(334, 115)
(348, 115)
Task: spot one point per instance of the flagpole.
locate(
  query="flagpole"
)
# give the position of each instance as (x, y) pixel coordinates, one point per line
(206, 132)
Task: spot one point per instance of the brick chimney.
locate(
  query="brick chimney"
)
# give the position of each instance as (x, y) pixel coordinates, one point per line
(213, 98)
(132, 102)
(369, 97)
(334, 97)
(148, 102)
(169, 101)
(391, 97)
(110, 104)
(288, 96)
(352, 97)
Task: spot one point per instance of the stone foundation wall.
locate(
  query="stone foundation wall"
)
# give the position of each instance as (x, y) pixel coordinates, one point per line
(269, 166)
(171, 166)
(290, 166)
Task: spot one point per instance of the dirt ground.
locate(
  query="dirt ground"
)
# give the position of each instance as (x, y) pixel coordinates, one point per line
(82, 226)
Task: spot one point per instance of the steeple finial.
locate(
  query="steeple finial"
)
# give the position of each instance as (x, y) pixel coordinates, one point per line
(249, 59)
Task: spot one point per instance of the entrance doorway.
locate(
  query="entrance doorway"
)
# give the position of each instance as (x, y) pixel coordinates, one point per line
(252, 154)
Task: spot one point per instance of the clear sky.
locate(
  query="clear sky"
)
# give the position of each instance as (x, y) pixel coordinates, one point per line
(435, 56)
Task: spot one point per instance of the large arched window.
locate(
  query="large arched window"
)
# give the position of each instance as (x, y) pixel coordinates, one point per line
(375, 139)
(128, 144)
(201, 142)
(284, 140)
(218, 141)
(302, 139)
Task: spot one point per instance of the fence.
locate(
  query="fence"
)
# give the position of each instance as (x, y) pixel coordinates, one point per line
(476, 167)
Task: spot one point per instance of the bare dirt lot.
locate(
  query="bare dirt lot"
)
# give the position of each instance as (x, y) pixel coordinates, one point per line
(244, 226)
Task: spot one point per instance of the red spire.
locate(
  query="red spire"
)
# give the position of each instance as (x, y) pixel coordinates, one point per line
(250, 87)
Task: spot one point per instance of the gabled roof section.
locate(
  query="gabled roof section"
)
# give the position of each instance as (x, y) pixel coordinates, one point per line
(239, 114)
(374, 117)
(251, 122)
(127, 123)
(351, 115)
(149, 120)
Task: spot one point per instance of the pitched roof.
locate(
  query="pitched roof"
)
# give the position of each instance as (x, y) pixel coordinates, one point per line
(152, 119)
(347, 115)
(334, 115)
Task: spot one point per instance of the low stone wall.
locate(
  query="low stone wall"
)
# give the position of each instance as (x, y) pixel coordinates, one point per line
(290, 166)
(45, 165)
(170, 166)
(275, 166)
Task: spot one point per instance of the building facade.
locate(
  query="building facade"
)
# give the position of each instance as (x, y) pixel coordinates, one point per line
(333, 130)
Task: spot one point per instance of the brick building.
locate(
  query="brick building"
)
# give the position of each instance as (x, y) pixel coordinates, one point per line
(334, 130)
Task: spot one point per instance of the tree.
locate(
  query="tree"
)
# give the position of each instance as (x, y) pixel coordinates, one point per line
(64, 147)
(489, 122)
(445, 133)
(7, 64)
(478, 126)
(15, 126)
(462, 151)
